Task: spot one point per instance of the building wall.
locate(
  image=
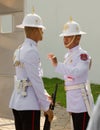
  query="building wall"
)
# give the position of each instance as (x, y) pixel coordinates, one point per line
(8, 42)
(55, 14)
(6, 88)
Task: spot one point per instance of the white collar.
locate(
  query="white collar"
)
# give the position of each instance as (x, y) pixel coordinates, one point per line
(30, 41)
(74, 49)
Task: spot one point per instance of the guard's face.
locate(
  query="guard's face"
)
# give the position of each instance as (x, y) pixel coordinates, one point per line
(67, 40)
(39, 34)
(71, 41)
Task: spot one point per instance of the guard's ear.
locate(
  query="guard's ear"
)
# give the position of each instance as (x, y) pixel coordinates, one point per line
(78, 37)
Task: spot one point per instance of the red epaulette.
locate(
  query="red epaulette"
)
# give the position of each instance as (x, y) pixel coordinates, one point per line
(84, 56)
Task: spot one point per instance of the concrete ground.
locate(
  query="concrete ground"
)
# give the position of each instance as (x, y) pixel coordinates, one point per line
(61, 120)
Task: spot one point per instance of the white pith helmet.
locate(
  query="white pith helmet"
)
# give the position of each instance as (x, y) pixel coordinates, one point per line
(32, 20)
(71, 28)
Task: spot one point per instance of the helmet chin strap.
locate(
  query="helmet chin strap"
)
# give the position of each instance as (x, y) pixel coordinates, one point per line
(70, 41)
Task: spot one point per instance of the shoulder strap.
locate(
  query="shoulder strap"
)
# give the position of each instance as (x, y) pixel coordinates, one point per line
(16, 58)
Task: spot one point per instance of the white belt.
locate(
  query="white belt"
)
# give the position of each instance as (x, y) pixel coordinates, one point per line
(86, 94)
(67, 88)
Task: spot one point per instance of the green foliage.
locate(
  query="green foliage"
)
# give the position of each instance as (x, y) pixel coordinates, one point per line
(95, 91)
(50, 84)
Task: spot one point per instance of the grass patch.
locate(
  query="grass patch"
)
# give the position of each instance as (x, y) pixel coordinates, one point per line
(95, 91)
(50, 84)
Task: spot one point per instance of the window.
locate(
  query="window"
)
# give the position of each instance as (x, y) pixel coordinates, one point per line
(6, 23)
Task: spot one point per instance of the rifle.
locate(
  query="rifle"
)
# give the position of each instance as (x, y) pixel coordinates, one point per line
(47, 123)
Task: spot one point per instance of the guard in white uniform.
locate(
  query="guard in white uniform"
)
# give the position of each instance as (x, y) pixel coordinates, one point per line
(75, 69)
(29, 95)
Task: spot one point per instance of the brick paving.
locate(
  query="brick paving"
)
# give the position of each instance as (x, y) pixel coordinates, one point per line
(61, 120)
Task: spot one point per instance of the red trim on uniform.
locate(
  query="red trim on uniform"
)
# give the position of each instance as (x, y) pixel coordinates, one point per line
(84, 121)
(69, 77)
(33, 114)
(84, 57)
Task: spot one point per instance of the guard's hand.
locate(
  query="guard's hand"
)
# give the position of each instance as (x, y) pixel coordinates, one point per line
(53, 59)
(48, 96)
(50, 115)
(50, 99)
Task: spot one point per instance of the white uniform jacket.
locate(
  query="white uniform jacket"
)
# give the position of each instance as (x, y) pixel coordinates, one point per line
(30, 70)
(75, 70)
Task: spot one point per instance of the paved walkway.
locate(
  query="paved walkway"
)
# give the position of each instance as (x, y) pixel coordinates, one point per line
(61, 121)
